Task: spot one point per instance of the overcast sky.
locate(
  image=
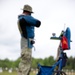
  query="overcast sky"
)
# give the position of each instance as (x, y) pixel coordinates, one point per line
(53, 15)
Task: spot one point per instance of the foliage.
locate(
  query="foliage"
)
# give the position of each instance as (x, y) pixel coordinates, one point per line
(46, 62)
(70, 63)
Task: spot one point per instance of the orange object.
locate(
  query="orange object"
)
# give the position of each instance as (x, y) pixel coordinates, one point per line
(64, 43)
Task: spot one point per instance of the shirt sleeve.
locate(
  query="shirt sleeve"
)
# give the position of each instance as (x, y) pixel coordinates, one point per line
(32, 21)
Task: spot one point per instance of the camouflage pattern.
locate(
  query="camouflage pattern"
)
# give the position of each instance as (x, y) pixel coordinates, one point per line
(26, 56)
(58, 52)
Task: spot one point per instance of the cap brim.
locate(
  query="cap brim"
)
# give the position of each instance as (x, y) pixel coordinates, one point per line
(27, 11)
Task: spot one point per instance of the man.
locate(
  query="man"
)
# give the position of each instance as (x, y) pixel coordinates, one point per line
(26, 25)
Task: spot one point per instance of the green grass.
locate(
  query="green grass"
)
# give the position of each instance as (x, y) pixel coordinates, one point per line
(7, 73)
(13, 73)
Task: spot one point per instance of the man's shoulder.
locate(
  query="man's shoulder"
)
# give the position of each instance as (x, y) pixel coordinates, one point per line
(21, 15)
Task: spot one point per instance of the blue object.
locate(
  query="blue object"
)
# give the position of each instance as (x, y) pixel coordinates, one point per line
(29, 43)
(45, 70)
(49, 70)
(31, 22)
(68, 36)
